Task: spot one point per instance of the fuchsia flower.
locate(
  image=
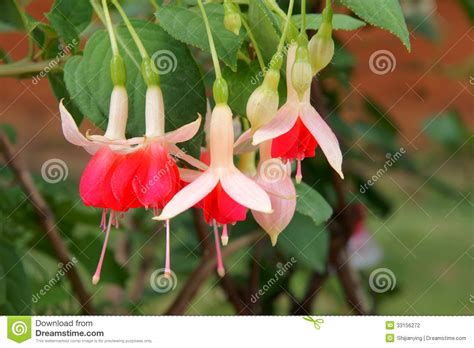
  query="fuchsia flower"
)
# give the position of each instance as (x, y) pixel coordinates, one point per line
(124, 174)
(274, 177)
(297, 129)
(224, 192)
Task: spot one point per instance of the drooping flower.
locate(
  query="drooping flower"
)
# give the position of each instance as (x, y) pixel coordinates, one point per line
(149, 174)
(224, 192)
(275, 178)
(297, 129)
(108, 150)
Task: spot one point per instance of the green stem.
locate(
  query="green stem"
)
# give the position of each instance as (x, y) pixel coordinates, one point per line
(110, 29)
(303, 16)
(98, 10)
(28, 67)
(212, 46)
(272, 5)
(285, 28)
(131, 29)
(243, 57)
(254, 43)
(328, 3)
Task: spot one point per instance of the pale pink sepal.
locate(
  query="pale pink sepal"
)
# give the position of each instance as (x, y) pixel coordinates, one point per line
(184, 133)
(189, 195)
(244, 143)
(180, 154)
(189, 175)
(283, 121)
(281, 191)
(244, 190)
(72, 133)
(325, 137)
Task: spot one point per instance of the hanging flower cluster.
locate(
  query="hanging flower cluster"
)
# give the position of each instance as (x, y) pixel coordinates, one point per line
(143, 172)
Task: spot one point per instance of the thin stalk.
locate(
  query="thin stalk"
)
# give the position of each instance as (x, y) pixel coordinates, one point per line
(110, 29)
(275, 8)
(132, 30)
(98, 10)
(303, 16)
(287, 25)
(254, 43)
(212, 46)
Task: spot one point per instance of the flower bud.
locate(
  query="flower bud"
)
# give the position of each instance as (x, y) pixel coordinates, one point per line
(263, 103)
(321, 45)
(301, 74)
(232, 21)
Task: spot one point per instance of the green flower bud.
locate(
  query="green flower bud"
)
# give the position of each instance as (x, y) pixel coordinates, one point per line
(301, 74)
(117, 71)
(220, 91)
(150, 73)
(232, 20)
(321, 45)
(263, 102)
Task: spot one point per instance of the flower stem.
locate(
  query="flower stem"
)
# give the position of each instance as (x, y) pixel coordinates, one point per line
(132, 30)
(303, 15)
(212, 46)
(254, 43)
(285, 28)
(110, 29)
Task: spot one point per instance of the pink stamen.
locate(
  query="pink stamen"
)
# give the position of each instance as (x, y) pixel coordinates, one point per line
(220, 263)
(167, 257)
(96, 277)
(224, 236)
(103, 221)
(299, 175)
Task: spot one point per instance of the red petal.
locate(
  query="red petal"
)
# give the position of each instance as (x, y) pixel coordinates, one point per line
(156, 180)
(298, 143)
(122, 179)
(219, 206)
(90, 187)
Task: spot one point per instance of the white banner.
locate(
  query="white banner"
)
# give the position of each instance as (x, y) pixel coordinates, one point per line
(237, 331)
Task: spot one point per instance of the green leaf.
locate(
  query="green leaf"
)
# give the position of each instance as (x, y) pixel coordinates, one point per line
(15, 291)
(69, 18)
(10, 132)
(448, 129)
(10, 16)
(89, 84)
(241, 85)
(264, 26)
(306, 242)
(306, 238)
(56, 81)
(187, 25)
(310, 203)
(339, 21)
(385, 14)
